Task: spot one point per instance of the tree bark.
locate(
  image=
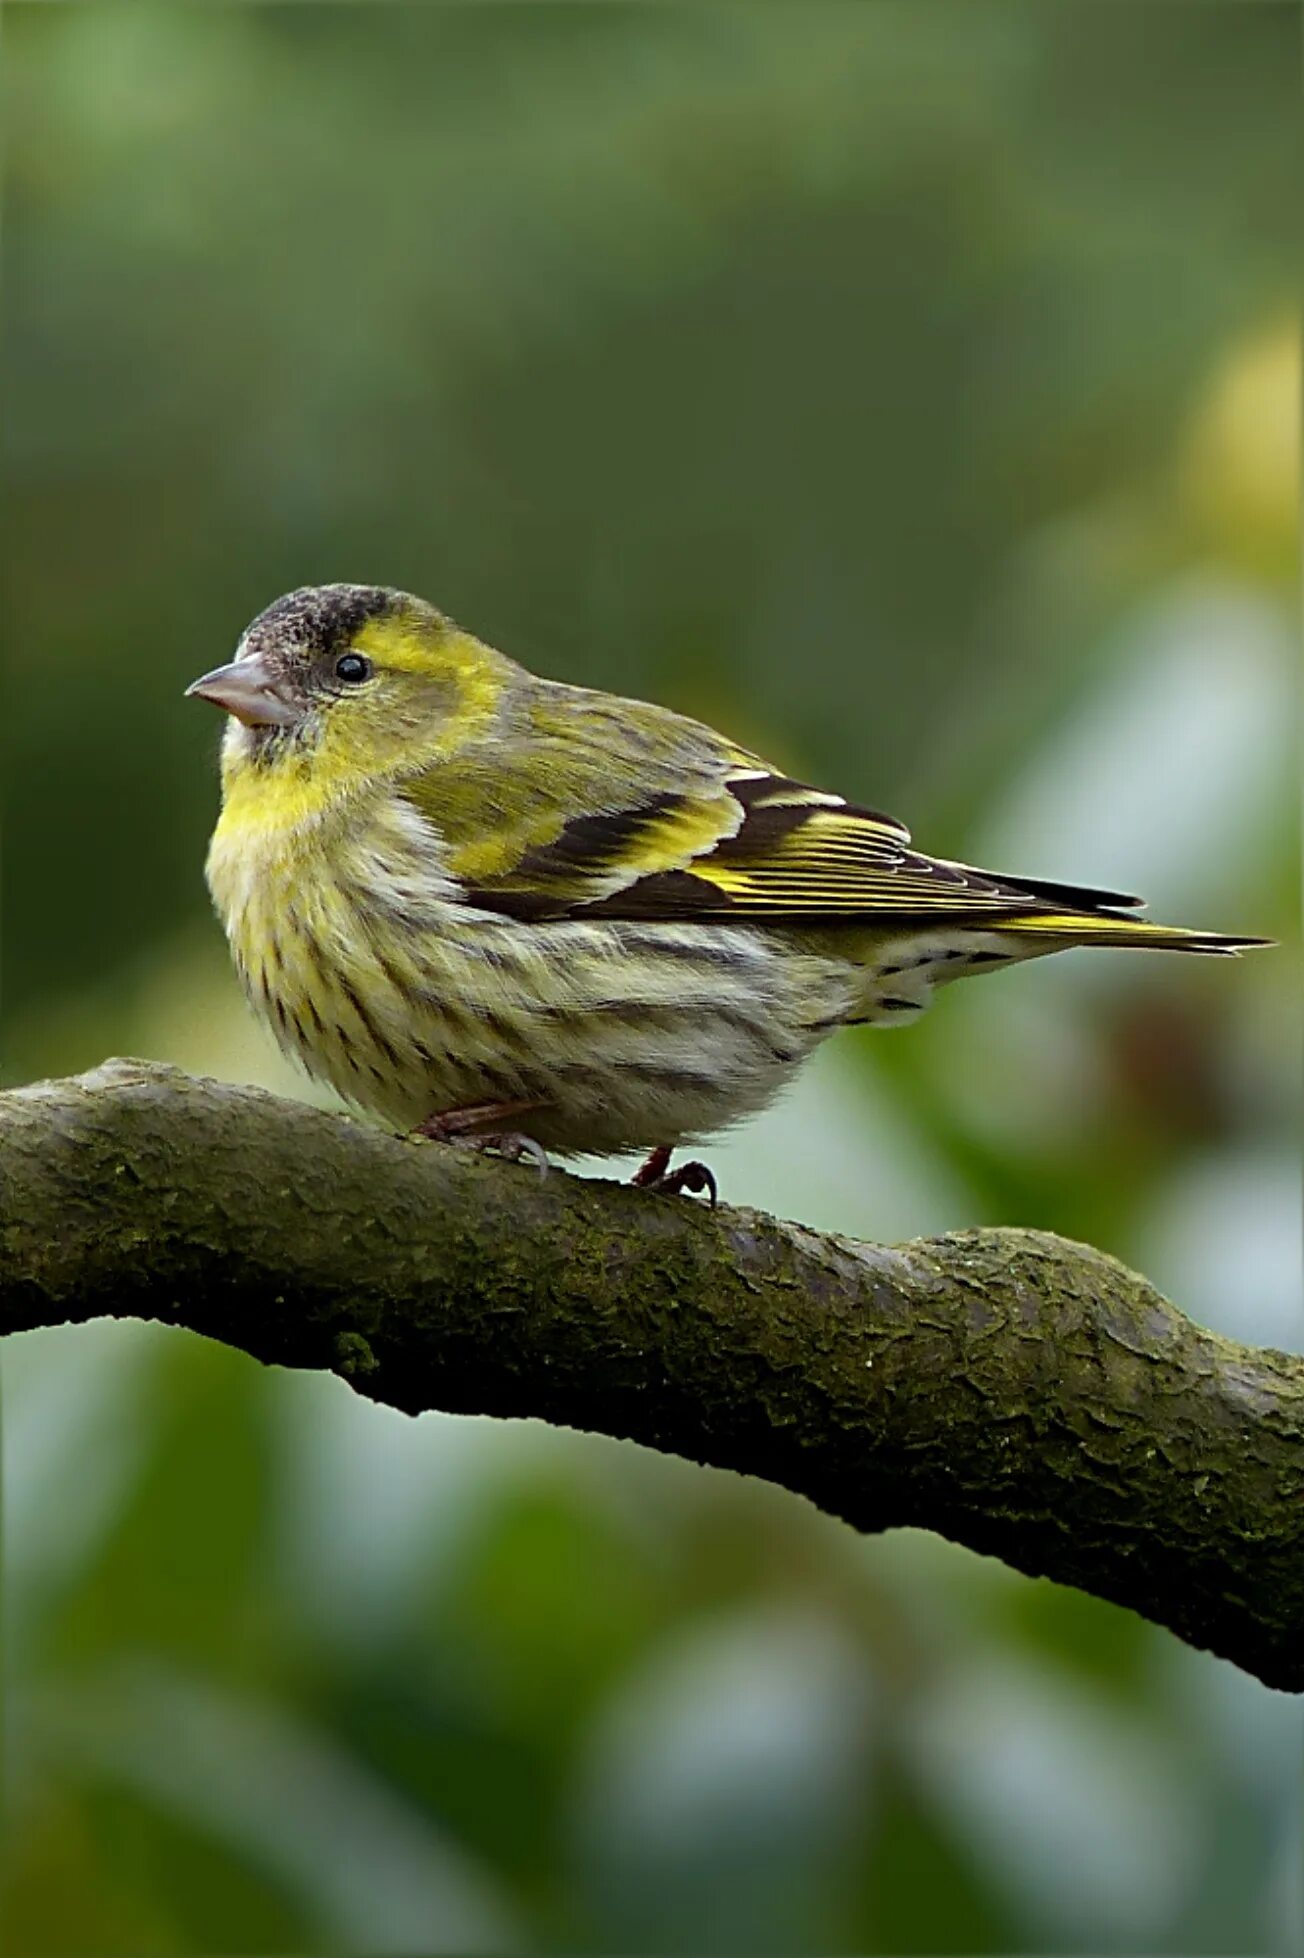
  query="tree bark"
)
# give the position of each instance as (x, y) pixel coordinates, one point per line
(1015, 1392)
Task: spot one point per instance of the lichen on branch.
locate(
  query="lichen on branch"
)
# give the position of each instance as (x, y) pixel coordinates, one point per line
(1013, 1391)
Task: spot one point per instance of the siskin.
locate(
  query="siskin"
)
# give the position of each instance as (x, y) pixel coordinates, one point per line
(466, 897)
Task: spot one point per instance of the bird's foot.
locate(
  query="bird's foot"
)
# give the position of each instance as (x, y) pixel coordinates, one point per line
(690, 1178)
(510, 1144)
(463, 1128)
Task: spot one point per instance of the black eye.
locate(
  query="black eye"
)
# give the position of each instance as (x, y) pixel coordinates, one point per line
(352, 667)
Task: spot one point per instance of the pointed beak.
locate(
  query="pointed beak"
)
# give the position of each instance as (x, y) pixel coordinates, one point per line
(247, 689)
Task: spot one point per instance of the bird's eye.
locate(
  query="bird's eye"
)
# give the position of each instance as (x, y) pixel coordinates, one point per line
(352, 667)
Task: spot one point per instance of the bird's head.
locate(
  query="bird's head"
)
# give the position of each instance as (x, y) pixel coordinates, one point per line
(349, 684)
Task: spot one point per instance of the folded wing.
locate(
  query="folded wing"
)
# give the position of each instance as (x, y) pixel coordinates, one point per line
(606, 809)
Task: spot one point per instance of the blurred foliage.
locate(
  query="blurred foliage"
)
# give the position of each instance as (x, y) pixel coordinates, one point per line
(913, 390)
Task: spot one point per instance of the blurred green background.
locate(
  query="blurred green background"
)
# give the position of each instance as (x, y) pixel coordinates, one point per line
(914, 391)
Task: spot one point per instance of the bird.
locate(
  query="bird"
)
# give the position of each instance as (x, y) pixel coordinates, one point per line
(502, 911)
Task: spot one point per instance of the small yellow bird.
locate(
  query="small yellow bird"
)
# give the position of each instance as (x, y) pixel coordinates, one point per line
(465, 896)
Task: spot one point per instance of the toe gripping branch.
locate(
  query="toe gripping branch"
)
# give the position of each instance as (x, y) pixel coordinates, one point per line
(690, 1179)
(463, 1128)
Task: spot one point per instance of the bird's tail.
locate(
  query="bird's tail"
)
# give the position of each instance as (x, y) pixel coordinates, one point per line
(1108, 928)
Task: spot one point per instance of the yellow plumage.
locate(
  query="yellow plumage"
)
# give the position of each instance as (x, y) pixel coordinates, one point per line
(450, 884)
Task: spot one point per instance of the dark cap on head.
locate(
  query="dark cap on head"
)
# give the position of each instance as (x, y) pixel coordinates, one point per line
(318, 618)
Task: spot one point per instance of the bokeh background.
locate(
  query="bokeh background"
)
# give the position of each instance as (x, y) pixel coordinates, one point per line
(913, 390)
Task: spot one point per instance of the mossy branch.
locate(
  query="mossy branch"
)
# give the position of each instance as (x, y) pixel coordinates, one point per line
(1010, 1390)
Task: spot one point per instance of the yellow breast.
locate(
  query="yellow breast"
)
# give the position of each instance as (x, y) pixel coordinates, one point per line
(322, 902)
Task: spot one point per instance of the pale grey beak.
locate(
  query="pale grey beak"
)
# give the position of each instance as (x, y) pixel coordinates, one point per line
(247, 689)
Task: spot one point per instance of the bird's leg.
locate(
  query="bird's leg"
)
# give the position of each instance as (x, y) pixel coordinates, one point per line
(463, 1127)
(651, 1172)
(656, 1174)
(447, 1124)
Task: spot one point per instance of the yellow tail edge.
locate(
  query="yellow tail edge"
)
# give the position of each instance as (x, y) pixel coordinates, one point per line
(1086, 928)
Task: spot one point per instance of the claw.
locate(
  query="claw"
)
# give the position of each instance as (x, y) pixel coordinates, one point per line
(692, 1178)
(512, 1147)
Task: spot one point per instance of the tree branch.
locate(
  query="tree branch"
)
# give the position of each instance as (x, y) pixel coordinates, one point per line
(1010, 1390)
